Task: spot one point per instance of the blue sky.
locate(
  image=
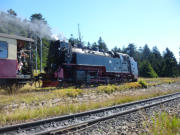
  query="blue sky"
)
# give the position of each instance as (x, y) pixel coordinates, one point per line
(118, 22)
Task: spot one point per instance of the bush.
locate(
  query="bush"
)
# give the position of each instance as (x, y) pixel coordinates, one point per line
(143, 83)
(132, 85)
(111, 88)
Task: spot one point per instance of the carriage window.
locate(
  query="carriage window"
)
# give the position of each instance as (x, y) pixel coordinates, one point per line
(3, 49)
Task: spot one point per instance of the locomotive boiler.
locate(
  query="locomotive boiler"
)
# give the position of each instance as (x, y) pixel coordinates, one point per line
(72, 64)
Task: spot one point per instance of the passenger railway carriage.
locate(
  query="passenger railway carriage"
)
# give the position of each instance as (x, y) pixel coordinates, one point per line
(15, 60)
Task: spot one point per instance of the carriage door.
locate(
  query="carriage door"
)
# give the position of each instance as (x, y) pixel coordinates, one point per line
(8, 50)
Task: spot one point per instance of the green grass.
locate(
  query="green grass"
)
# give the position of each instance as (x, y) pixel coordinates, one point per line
(22, 115)
(164, 124)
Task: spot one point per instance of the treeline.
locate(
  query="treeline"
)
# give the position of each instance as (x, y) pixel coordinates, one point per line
(151, 63)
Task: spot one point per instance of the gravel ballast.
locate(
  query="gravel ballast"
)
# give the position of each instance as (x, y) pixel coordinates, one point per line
(131, 124)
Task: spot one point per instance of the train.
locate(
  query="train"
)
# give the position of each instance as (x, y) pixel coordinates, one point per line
(67, 64)
(16, 61)
(78, 65)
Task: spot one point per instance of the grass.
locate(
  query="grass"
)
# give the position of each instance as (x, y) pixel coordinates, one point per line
(107, 89)
(29, 94)
(111, 88)
(21, 115)
(142, 83)
(164, 124)
(158, 81)
(68, 92)
(29, 98)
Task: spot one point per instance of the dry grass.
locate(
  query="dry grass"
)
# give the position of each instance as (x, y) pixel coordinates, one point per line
(68, 92)
(31, 95)
(111, 88)
(22, 115)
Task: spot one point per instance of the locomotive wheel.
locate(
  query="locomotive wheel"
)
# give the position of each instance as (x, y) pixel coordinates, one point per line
(37, 81)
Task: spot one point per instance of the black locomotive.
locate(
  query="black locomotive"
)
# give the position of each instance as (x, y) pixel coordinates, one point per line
(72, 64)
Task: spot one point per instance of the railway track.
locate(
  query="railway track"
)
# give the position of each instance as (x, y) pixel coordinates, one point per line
(70, 123)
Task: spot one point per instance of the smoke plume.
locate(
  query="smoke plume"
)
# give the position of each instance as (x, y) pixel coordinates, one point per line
(14, 25)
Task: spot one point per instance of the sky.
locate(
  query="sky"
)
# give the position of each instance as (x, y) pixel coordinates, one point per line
(118, 22)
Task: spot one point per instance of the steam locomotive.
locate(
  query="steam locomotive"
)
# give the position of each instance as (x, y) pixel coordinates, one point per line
(73, 64)
(66, 64)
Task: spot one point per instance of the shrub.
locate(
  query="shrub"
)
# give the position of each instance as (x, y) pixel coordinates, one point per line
(107, 88)
(143, 83)
(111, 88)
(132, 85)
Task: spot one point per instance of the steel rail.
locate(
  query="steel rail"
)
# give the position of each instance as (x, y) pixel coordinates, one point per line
(72, 122)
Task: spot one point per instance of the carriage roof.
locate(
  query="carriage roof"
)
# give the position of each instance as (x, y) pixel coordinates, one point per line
(16, 37)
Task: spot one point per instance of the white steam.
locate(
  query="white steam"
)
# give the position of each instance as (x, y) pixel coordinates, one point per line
(14, 25)
(59, 36)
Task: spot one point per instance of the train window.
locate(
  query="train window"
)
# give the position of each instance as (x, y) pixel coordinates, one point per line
(3, 49)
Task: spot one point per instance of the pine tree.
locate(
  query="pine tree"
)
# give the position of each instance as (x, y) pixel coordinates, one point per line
(88, 45)
(131, 51)
(39, 17)
(146, 53)
(146, 70)
(102, 45)
(12, 12)
(116, 50)
(169, 65)
(94, 46)
(156, 61)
